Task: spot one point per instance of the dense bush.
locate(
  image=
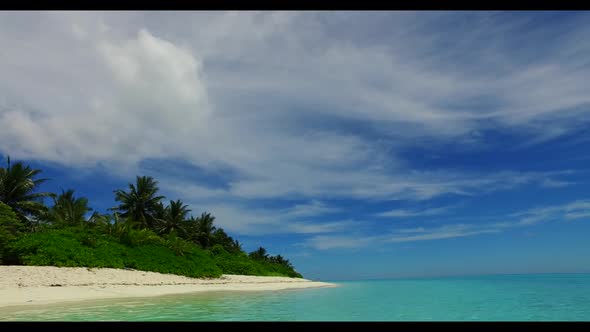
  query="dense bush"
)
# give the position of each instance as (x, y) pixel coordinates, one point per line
(10, 227)
(233, 264)
(69, 247)
(195, 263)
(82, 247)
(178, 245)
(243, 264)
(140, 250)
(273, 269)
(139, 237)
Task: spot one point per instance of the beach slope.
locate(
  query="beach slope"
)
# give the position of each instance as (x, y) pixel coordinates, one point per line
(34, 285)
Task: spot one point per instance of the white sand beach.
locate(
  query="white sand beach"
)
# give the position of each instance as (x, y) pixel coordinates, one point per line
(36, 285)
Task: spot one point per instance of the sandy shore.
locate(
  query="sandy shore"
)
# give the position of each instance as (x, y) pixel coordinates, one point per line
(35, 285)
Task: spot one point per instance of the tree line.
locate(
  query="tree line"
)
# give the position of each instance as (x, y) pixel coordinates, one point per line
(140, 208)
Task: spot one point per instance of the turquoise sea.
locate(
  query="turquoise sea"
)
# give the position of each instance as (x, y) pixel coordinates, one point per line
(540, 297)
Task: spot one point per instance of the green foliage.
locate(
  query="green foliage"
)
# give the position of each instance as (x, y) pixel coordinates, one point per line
(173, 217)
(234, 264)
(195, 263)
(76, 247)
(9, 220)
(143, 234)
(219, 237)
(68, 210)
(141, 202)
(273, 269)
(138, 237)
(276, 265)
(179, 246)
(217, 250)
(65, 247)
(259, 255)
(246, 265)
(18, 184)
(138, 249)
(83, 246)
(10, 227)
(203, 228)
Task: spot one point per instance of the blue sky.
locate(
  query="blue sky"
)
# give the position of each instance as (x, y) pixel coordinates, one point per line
(357, 144)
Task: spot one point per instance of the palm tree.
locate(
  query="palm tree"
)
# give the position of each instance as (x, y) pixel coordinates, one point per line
(174, 217)
(159, 213)
(111, 224)
(219, 236)
(205, 229)
(260, 254)
(118, 225)
(190, 230)
(278, 259)
(141, 202)
(17, 190)
(68, 210)
(236, 246)
(99, 220)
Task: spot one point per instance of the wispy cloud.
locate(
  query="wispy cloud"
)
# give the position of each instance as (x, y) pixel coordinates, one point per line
(412, 230)
(551, 183)
(244, 219)
(326, 242)
(443, 232)
(574, 210)
(313, 208)
(404, 213)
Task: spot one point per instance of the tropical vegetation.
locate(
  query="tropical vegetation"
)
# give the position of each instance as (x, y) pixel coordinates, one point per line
(141, 232)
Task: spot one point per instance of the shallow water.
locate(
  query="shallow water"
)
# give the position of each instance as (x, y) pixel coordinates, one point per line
(484, 298)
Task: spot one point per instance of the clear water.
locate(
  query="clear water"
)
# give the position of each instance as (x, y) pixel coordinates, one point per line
(490, 298)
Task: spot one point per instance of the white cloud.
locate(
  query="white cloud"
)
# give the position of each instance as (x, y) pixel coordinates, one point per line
(277, 98)
(157, 75)
(150, 98)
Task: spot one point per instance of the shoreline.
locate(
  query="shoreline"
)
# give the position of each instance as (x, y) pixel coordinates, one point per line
(42, 285)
